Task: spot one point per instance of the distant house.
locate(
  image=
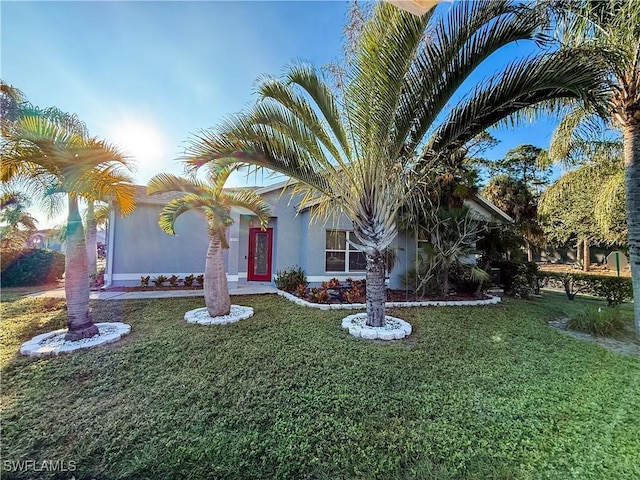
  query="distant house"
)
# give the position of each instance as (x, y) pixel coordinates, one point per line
(137, 247)
(45, 239)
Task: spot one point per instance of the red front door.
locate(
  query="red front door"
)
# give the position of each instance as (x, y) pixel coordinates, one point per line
(260, 242)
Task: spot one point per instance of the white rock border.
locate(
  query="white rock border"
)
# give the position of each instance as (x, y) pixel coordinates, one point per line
(201, 316)
(361, 306)
(38, 347)
(394, 328)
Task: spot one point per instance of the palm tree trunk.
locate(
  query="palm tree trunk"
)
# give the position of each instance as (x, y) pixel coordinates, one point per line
(376, 290)
(76, 285)
(632, 183)
(92, 242)
(586, 264)
(216, 291)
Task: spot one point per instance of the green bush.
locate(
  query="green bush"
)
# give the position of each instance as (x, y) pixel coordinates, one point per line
(30, 267)
(159, 280)
(614, 290)
(597, 321)
(519, 279)
(290, 278)
(188, 280)
(464, 279)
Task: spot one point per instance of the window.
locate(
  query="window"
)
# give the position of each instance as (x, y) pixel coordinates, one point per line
(342, 257)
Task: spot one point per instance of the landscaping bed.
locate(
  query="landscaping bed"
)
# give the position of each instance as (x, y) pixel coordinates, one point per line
(355, 292)
(153, 289)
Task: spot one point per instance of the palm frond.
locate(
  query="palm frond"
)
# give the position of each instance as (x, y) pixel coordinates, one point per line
(251, 201)
(457, 44)
(522, 83)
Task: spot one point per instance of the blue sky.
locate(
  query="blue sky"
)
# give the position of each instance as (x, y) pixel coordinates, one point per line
(146, 74)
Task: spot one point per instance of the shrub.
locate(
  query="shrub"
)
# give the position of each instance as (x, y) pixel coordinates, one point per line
(300, 291)
(333, 283)
(144, 281)
(572, 283)
(597, 321)
(188, 280)
(519, 279)
(357, 291)
(159, 280)
(30, 267)
(467, 279)
(174, 280)
(319, 295)
(200, 280)
(289, 279)
(614, 290)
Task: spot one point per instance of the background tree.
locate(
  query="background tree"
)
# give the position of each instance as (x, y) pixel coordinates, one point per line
(16, 224)
(367, 151)
(611, 30)
(216, 204)
(524, 163)
(513, 197)
(50, 151)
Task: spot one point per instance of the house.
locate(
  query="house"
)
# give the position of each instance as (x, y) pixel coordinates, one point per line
(45, 239)
(137, 247)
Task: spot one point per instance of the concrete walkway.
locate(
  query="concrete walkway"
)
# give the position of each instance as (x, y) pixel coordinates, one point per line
(115, 295)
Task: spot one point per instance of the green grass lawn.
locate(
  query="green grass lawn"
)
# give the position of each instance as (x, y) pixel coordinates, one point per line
(474, 393)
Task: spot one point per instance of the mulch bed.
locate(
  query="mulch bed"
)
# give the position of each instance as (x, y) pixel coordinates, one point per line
(152, 288)
(392, 295)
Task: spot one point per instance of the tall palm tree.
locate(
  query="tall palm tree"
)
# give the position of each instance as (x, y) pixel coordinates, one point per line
(367, 150)
(611, 30)
(216, 204)
(51, 152)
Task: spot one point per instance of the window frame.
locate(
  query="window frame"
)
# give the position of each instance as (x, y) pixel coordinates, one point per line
(347, 251)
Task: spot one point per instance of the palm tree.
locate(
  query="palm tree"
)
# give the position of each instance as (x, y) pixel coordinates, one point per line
(611, 30)
(216, 204)
(96, 215)
(51, 152)
(17, 224)
(367, 151)
(11, 102)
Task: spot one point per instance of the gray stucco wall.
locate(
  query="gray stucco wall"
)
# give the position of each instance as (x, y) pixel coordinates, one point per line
(141, 248)
(138, 247)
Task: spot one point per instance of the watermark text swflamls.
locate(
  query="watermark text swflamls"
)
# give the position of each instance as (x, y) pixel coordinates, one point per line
(39, 465)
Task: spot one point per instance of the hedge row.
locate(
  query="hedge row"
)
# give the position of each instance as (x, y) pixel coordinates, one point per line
(30, 267)
(613, 289)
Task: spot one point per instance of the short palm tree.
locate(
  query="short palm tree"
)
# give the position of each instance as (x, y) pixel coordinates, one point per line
(16, 224)
(367, 151)
(51, 153)
(96, 215)
(611, 31)
(216, 204)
